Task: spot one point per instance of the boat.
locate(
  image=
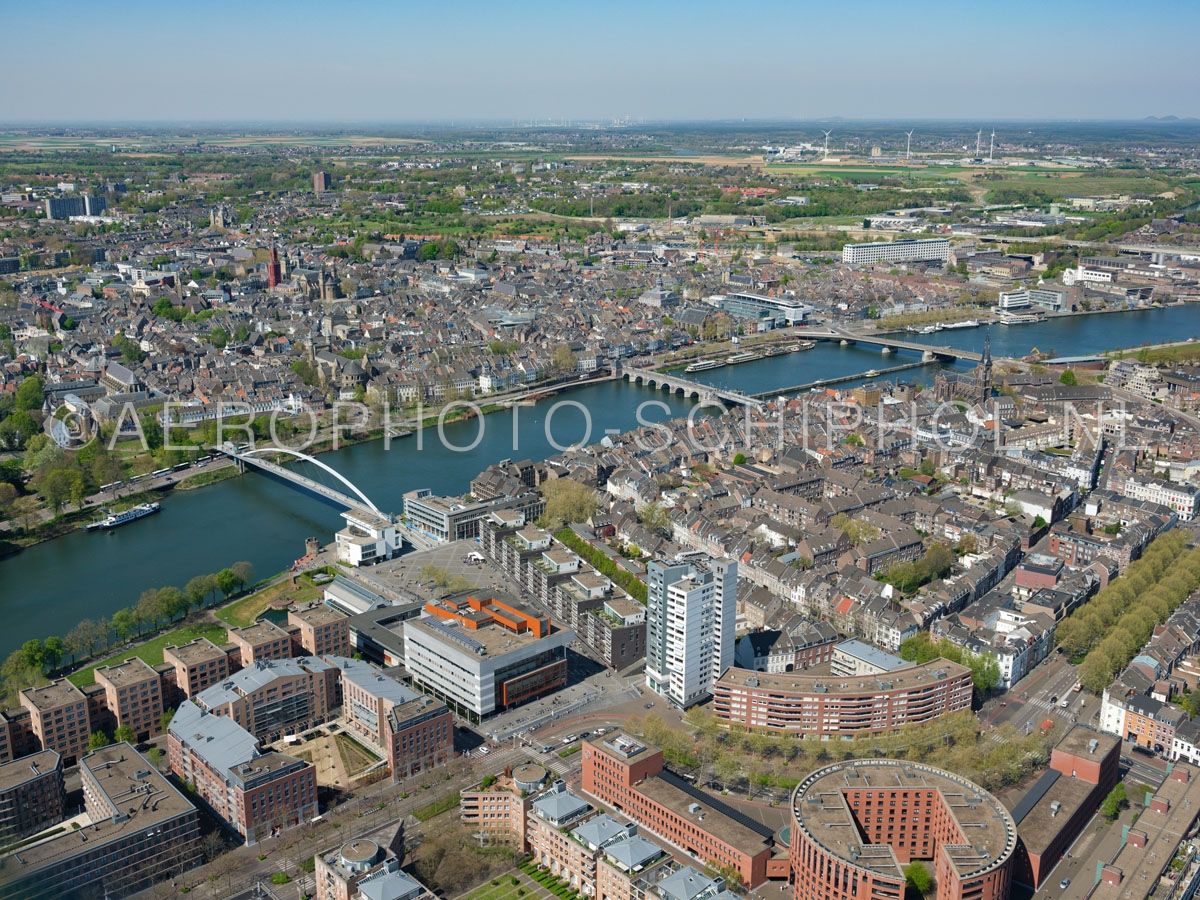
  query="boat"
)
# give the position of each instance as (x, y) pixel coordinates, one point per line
(966, 323)
(745, 356)
(1008, 318)
(704, 365)
(116, 520)
(803, 345)
(927, 329)
(871, 373)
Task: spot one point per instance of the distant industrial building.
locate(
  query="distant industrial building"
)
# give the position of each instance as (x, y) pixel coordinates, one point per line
(923, 250)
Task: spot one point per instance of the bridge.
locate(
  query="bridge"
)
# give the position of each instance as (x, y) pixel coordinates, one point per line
(690, 389)
(354, 501)
(888, 344)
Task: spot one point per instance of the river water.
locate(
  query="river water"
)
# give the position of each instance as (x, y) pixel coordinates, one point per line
(48, 588)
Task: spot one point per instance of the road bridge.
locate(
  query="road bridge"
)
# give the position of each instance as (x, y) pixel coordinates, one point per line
(890, 343)
(690, 389)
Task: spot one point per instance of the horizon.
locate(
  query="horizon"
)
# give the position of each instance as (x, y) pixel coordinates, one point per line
(667, 62)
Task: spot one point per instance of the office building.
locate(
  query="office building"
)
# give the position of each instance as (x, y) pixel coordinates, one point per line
(362, 870)
(1056, 808)
(139, 829)
(484, 655)
(133, 696)
(321, 182)
(829, 707)
(1028, 297)
(452, 519)
(59, 718)
(64, 207)
(775, 312)
(856, 824)
(691, 612)
(367, 538)
(198, 664)
(628, 775)
(923, 250)
(853, 658)
(257, 794)
(323, 631)
(32, 796)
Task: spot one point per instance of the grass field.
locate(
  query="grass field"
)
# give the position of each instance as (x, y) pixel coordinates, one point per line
(152, 650)
(436, 808)
(509, 886)
(244, 612)
(355, 757)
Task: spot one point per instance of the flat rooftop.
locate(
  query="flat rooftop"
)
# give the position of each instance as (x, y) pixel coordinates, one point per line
(27, 768)
(200, 650)
(316, 614)
(819, 806)
(132, 671)
(1040, 825)
(807, 683)
(130, 786)
(54, 695)
(1078, 741)
(713, 817)
(494, 639)
(260, 632)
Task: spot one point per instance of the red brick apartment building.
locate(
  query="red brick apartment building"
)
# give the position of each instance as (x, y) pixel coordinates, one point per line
(133, 696)
(831, 706)
(628, 775)
(856, 824)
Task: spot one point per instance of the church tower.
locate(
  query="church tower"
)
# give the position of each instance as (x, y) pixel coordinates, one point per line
(984, 377)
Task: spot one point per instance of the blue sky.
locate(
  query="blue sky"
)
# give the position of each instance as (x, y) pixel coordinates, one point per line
(358, 60)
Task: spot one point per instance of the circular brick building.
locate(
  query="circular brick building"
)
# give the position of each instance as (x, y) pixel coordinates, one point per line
(856, 824)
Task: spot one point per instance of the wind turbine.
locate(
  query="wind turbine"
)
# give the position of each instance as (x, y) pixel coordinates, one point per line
(908, 148)
(827, 133)
(978, 138)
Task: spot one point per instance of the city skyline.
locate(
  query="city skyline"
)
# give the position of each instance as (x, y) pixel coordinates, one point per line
(374, 63)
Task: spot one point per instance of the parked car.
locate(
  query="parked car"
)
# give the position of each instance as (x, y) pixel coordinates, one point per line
(1064, 884)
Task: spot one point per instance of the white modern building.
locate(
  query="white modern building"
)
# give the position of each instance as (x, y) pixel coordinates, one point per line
(367, 538)
(923, 250)
(691, 614)
(1027, 297)
(1182, 498)
(484, 656)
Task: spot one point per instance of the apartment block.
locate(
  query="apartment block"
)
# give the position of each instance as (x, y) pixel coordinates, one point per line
(691, 613)
(133, 695)
(59, 718)
(628, 776)
(261, 641)
(363, 869)
(275, 697)
(198, 664)
(32, 795)
(257, 794)
(322, 630)
(139, 830)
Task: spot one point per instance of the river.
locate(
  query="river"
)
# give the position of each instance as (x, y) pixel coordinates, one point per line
(48, 588)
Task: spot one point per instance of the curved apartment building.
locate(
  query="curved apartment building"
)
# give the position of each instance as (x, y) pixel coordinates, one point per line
(857, 823)
(830, 706)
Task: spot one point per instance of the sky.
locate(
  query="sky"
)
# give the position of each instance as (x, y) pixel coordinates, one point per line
(458, 60)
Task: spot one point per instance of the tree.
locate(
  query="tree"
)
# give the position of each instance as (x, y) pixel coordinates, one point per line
(562, 360)
(53, 650)
(164, 720)
(8, 494)
(567, 501)
(124, 623)
(171, 602)
(739, 458)
(918, 878)
(243, 571)
(124, 734)
(655, 517)
(858, 532)
(228, 582)
(98, 739)
(29, 395)
(33, 654)
(199, 588)
(1116, 801)
(1068, 377)
(61, 485)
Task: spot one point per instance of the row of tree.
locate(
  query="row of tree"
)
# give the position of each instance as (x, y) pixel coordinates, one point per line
(30, 663)
(1137, 623)
(1092, 621)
